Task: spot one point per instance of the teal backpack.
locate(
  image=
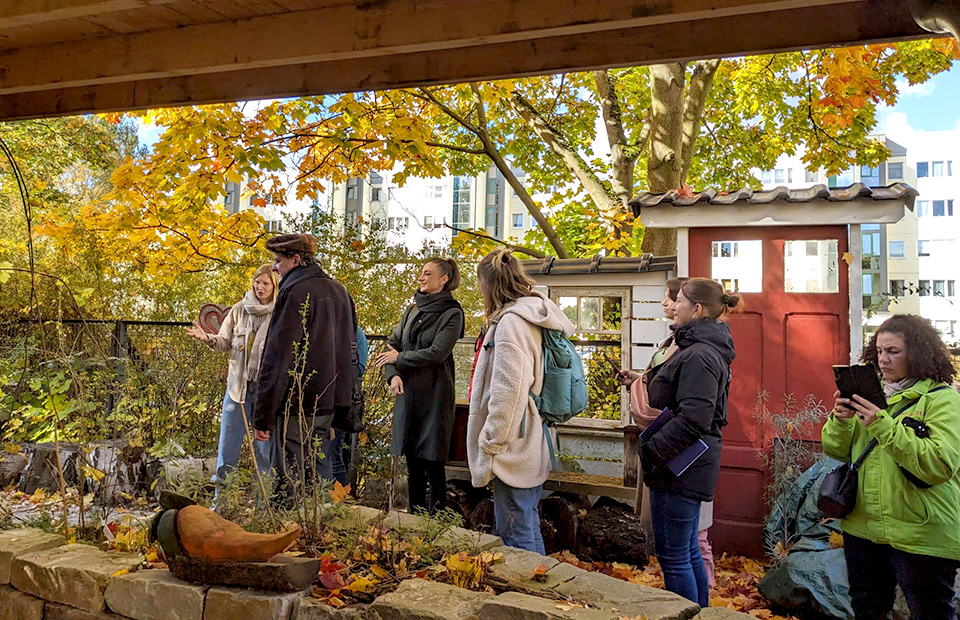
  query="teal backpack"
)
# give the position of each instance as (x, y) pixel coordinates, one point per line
(564, 392)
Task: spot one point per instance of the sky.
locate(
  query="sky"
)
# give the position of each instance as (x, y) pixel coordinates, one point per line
(930, 106)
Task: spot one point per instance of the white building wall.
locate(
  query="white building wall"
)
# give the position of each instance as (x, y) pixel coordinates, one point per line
(936, 156)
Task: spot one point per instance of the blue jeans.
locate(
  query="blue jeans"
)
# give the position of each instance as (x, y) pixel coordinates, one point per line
(233, 436)
(516, 516)
(338, 468)
(676, 520)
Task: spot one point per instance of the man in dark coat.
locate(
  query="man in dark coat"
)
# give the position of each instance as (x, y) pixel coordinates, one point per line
(313, 334)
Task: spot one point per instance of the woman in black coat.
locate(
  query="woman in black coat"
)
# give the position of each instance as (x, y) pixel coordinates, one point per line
(693, 384)
(418, 366)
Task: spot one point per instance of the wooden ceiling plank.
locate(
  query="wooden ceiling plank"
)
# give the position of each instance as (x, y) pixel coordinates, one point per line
(753, 34)
(344, 32)
(15, 13)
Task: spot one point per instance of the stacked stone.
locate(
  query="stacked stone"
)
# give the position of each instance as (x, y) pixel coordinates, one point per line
(42, 578)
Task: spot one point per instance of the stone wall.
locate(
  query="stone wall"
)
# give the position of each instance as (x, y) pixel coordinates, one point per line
(42, 578)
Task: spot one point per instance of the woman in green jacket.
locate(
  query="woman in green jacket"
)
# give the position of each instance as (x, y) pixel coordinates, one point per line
(905, 528)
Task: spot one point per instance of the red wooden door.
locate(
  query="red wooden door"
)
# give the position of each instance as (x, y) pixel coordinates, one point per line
(786, 344)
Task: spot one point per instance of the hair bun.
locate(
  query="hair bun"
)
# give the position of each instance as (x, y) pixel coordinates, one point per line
(730, 301)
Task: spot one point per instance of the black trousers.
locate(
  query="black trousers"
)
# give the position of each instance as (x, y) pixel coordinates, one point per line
(874, 570)
(426, 485)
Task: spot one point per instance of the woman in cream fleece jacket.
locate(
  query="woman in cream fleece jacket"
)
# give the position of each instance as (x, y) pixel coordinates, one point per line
(509, 369)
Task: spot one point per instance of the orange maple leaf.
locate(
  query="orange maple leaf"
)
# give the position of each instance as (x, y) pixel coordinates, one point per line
(339, 492)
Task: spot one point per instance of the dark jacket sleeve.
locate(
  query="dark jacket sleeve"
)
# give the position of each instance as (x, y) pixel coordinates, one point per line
(286, 328)
(448, 332)
(396, 341)
(697, 388)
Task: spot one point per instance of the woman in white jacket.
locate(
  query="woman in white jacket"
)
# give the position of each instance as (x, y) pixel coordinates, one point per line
(242, 334)
(508, 370)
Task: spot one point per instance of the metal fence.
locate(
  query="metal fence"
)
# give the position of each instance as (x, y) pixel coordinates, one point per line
(149, 378)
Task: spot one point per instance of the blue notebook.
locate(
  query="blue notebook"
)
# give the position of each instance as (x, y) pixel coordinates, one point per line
(685, 459)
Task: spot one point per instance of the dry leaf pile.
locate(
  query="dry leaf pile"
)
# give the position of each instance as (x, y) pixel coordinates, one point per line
(735, 587)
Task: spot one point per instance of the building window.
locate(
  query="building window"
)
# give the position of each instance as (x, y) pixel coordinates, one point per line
(375, 194)
(351, 192)
(731, 285)
(942, 208)
(896, 249)
(923, 208)
(518, 220)
(870, 176)
(398, 223)
(491, 186)
(726, 249)
(766, 176)
(897, 288)
(923, 288)
(434, 191)
(937, 169)
(272, 225)
(779, 175)
(923, 169)
(951, 288)
(939, 290)
(810, 176)
(428, 221)
(232, 200)
(844, 179)
(923, 248)
(895, 171)
(461, 201)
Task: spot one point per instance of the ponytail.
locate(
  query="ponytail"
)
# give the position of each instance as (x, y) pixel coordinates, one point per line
(449, 268)
(715, 301)
(503, 281)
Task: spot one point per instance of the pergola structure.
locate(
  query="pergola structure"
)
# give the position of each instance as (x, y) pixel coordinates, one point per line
(76, 56)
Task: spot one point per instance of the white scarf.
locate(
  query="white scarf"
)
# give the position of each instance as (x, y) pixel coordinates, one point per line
(892, 387)
(253, 315)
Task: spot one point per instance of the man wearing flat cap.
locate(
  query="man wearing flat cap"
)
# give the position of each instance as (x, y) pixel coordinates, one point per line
(315, 310)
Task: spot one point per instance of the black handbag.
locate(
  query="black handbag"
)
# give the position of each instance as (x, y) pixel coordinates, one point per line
(838, 491)
(350, 419)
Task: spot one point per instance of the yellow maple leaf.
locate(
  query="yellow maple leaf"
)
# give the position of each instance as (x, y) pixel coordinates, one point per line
(339, 492)
(379, 572)
(361, 584)
(836, 540)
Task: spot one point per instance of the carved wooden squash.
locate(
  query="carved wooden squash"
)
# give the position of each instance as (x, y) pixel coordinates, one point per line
(205, 535)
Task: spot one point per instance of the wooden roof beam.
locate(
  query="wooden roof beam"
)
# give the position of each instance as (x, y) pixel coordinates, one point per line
(14, 13)
(880, 20)
(347, 31)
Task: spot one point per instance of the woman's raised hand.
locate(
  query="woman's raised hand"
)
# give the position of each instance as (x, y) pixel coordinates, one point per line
(627, 377)
(866, 411)
(388, 357)
(396, 385)
(841, 407)
(197, 332)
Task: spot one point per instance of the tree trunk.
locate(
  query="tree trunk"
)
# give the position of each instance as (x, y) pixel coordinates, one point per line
(664, 161)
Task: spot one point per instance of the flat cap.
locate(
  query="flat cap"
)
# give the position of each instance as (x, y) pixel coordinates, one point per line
(300, 243)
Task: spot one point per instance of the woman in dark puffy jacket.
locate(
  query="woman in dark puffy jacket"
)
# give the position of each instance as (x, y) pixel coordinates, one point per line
(693, 384)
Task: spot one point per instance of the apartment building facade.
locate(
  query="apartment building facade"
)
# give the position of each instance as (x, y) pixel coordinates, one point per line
(907, 266)
(431, 212)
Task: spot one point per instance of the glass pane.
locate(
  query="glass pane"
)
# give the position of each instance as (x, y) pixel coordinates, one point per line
(812, 267)
(740, 263)
(569, 307)
(589, 313)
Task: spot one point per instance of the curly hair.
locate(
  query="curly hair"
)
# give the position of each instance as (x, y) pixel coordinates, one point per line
(927, 356)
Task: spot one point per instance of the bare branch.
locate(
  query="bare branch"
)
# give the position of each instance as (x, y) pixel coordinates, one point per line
(510, 246)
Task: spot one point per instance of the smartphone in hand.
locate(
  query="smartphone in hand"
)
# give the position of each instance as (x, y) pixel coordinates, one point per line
(617, 371)
(861, 380)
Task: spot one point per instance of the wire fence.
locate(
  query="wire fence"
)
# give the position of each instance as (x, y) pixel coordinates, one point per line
(148, 379)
